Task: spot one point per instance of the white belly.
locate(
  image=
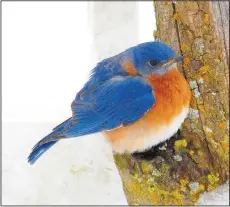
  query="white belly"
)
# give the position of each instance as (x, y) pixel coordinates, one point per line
(144, 138)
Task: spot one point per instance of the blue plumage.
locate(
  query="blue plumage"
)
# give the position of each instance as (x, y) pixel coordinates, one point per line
(112, 97)
(39, 151)
(119, 100)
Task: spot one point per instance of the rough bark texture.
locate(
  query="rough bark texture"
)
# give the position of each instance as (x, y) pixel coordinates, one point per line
(198, 160)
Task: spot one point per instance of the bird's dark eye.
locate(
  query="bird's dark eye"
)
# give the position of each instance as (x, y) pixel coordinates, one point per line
(153, 62)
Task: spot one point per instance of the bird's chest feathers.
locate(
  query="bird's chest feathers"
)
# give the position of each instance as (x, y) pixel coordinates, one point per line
(172, 96)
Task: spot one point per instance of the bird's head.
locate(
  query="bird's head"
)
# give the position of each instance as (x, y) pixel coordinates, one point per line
(154, 58)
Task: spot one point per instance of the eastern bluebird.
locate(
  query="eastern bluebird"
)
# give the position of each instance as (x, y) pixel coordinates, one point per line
(137, 98)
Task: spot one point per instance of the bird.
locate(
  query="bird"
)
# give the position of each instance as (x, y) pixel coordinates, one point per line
(137, 99)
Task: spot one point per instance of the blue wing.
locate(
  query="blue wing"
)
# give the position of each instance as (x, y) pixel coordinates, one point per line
(121, 100)
(118, 101)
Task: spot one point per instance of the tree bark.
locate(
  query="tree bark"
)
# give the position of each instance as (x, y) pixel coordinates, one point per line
(198, 160)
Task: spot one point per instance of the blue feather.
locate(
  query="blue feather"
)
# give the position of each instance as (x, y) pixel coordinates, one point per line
(39, 149)
(122, 99)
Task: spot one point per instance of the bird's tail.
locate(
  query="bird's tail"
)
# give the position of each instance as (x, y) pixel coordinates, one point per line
(42, 146)
(39, 151)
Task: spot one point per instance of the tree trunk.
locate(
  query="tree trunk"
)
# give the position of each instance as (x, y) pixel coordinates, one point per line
(198, 160)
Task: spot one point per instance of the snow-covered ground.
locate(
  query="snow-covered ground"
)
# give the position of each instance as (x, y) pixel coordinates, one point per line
(48, 50)
(218, 197)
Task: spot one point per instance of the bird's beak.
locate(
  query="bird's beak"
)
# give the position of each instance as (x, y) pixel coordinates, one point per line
(173, 60)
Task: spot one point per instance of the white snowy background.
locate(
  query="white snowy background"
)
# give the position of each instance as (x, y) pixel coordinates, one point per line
(48, 50)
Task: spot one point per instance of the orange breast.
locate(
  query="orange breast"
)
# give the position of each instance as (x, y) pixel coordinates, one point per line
(172, 94)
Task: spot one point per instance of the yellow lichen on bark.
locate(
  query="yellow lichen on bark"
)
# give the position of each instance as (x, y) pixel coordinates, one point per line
(210, 92)
(199, 159)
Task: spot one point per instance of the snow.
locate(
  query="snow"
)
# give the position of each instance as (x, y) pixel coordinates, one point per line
(75, 171)
(49, 49)
(218, 197)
